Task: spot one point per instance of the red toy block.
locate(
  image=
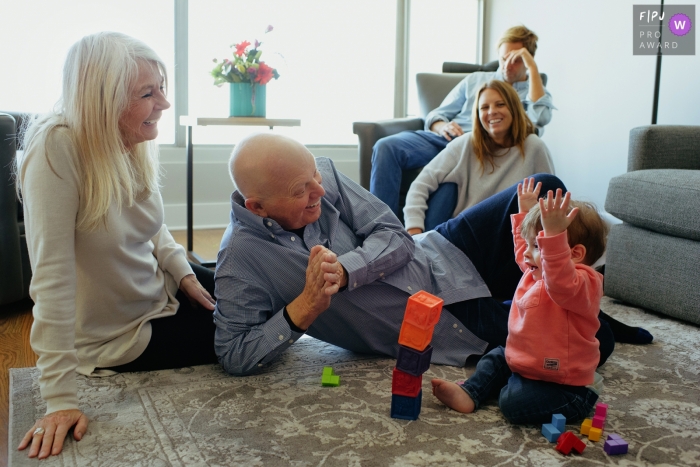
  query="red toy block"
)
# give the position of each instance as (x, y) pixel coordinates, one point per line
(403, 384)
(568, 441)
(423, 310)
(415, 337)
(601, 410)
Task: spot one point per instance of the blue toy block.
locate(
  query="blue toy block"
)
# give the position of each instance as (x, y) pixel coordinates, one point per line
(550, 432)
(412, 361)
(406, 408)
(559, 422)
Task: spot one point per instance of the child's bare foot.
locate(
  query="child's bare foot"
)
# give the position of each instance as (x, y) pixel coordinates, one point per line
(452, 395)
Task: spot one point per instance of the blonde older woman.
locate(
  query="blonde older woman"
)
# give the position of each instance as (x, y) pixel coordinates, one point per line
(502, 149)
(112, 290)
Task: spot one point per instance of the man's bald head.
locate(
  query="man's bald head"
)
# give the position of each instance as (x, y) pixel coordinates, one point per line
(278, 179)
(259, 163)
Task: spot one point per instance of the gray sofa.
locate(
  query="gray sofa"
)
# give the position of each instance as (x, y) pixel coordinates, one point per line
(653, 257)
(15, 272)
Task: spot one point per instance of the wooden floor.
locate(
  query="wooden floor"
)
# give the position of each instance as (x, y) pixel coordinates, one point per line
(16, 322)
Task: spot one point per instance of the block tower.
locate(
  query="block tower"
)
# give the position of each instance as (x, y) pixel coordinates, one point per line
(421, 315)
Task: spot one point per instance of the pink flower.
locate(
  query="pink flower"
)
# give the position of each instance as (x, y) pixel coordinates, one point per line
(265, 74)
(240, 48)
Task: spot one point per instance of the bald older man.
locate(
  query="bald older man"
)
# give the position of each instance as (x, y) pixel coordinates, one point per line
(310, 251)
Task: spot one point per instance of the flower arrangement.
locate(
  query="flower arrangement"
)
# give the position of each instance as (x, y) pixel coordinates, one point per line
(245, 67)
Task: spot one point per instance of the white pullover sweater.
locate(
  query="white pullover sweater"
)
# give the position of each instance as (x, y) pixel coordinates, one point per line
(457, 163)
(94, 292)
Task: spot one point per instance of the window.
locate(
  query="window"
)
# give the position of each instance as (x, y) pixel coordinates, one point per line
(335, 59)
(39, 33)
(437, 36)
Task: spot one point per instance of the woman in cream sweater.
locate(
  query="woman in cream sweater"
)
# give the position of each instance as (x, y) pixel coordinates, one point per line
(112, 290)
(502, 150)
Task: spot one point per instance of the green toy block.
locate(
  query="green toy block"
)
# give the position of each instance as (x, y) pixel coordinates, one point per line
(329, 377)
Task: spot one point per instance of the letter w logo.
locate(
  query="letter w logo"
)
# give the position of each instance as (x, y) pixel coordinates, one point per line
(680, 25)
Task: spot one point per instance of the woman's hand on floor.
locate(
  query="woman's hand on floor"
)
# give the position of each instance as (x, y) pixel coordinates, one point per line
(47, 434)
(196, 293)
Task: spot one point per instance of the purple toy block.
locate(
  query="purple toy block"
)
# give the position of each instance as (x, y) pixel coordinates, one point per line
(407, 408)
(614, 447)
(601, 410)
(412, 361)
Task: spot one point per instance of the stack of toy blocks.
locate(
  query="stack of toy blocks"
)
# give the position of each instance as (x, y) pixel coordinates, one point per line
(593, 428)
(421, 315)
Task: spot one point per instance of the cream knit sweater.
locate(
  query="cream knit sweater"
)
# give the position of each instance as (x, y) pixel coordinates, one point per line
(457, 163)
(94, 292)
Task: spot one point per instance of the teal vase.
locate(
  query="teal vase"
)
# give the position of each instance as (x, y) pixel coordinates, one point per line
(247, 100)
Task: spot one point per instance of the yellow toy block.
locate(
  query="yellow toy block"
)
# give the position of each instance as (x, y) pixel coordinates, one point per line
(586, 426)
(594, 434)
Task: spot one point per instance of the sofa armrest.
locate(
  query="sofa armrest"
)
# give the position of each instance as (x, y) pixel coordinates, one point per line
(12, 287)
(664, 147)
(369, 133)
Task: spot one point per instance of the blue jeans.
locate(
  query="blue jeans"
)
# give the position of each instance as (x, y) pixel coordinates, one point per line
(526, 401)
(483, 232)
(393, 154)
(441, 204)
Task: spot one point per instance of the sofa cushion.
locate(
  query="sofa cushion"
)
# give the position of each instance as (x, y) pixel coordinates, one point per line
(663, 200)
(654, 271)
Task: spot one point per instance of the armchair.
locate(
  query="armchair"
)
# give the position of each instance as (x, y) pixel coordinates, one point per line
(15, 272)
(432, 89)
(653, 257)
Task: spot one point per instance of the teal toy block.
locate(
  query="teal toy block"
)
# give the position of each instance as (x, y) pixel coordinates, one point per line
(329, 378)
(550, 432)
(406, 408)
(559, 421)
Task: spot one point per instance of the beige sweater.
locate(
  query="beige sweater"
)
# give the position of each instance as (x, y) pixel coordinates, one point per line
(95, 292)
(457, 163)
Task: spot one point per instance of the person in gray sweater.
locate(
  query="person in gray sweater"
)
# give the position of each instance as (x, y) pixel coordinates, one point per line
(112, 290)
(501, 150)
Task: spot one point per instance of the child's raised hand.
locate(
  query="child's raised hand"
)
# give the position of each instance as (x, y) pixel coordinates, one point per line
(527, 194)
(555, 220)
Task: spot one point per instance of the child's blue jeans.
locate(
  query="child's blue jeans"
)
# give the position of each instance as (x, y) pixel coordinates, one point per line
(526, 401)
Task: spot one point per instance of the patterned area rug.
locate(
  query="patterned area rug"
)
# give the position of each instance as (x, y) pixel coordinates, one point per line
(201, 416)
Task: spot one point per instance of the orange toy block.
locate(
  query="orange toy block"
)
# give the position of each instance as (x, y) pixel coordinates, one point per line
(586, 426)
(415, 337)
(594, 434)
(423, 310)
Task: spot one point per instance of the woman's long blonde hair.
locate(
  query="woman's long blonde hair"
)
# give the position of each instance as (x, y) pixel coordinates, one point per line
(485, 147)
(98, 76)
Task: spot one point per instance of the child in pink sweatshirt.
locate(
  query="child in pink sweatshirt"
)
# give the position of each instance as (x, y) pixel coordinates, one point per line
(551, 352)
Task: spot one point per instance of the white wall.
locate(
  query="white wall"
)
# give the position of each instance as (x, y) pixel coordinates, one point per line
(600, 89)
(213, 186)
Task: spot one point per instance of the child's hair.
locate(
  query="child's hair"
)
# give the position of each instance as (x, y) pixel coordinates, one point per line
(588, 229)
